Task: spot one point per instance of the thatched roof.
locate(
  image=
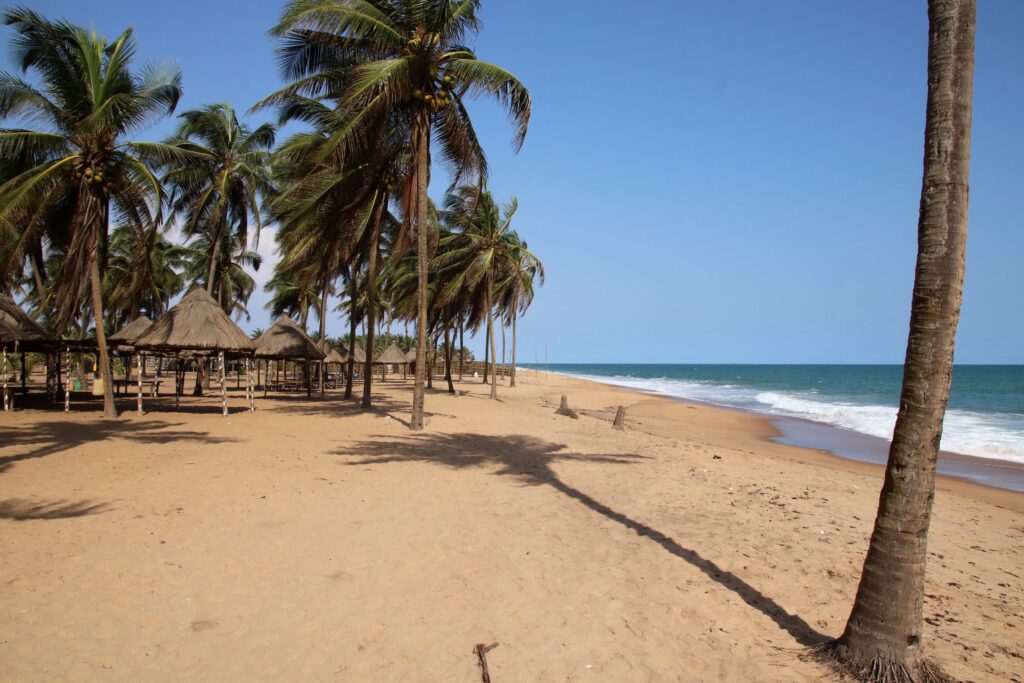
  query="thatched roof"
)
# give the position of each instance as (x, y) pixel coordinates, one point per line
(129, 332)
(392, 354)
(18, 326)
(285, 339)
(331, 352)
(358, 354)
(410, 356)
(196, 323)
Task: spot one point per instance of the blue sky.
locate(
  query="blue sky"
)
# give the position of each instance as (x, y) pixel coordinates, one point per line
(705, 182)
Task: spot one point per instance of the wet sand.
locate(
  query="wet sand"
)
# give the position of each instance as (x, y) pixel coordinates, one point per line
(313, 541)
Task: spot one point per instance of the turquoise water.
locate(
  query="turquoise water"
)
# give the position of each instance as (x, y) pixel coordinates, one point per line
(985, 416)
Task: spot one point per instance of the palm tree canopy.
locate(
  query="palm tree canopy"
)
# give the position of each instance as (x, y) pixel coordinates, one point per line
(76, 160)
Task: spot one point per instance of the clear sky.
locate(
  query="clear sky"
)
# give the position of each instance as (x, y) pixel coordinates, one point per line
(704, 181)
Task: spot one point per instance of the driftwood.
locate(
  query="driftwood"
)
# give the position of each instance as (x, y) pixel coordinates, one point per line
(481, 651)
(620, 419)
(564, 409)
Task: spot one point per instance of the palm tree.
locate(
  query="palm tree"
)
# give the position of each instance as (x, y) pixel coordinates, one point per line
(333, 208)
(90, 99)
(403, 65)
(882, 639)
(481, 249)
(222, 187)
(515, 289)
(292, 296)
(144, 272)
(234, 284)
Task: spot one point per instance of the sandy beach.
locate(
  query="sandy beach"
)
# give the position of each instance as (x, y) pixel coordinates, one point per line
(313, 541)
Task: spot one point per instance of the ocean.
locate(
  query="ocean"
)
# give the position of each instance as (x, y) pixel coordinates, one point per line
(985, 417)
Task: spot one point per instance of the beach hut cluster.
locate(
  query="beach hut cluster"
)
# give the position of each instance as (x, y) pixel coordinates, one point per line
(195, 331)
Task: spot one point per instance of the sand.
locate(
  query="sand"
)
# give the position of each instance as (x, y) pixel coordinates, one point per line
(313, 541)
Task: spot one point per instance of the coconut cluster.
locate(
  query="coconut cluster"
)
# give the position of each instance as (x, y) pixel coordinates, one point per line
(439, 97)
(101, 175)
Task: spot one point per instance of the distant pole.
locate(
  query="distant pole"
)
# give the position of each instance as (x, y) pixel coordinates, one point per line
(223, 394)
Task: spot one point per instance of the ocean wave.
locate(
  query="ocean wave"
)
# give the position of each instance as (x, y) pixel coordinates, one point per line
(990, 435)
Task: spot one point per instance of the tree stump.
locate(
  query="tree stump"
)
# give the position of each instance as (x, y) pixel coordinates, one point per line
(564, 409)
(620, 419)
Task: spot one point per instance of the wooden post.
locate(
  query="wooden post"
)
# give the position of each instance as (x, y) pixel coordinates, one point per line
(564, 409)
(620, 419)
(138, 406)
(320, 378)
(67, 381)
(4, 371)
(223, 393)
(252, 389)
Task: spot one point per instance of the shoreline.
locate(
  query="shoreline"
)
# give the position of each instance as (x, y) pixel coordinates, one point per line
(771, 435)
(849, 446)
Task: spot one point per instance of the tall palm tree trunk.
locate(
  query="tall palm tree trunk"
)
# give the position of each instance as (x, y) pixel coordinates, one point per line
(884, 628)
(504, 367)
(109, 407)
(352, 323)
(323, 311)
(211, 278)
(487, 352)
(371, 300)
(512, 375)
(462, 347)
(448, 360)
(490, 332)
(430, 365)
(422, 137)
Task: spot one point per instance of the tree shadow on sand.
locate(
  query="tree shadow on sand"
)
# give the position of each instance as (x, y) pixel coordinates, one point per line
(49, 437)
(23, 510)
(336, 406)
(530, 460)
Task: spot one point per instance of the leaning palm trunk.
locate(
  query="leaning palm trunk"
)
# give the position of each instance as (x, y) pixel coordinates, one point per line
(422, 138)
(882, 640)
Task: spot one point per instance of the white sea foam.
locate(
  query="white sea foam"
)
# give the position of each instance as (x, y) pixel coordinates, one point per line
(995, 435)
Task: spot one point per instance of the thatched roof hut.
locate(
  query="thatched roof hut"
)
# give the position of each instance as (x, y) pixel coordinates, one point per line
(286, 340)
(358, 354)
(196, 323)
(18, 326)
(392, 356)
(331, 352)
(410, 356)
(131, 331)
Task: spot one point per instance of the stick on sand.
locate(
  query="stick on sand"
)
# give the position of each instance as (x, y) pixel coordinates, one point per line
(481, 651)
